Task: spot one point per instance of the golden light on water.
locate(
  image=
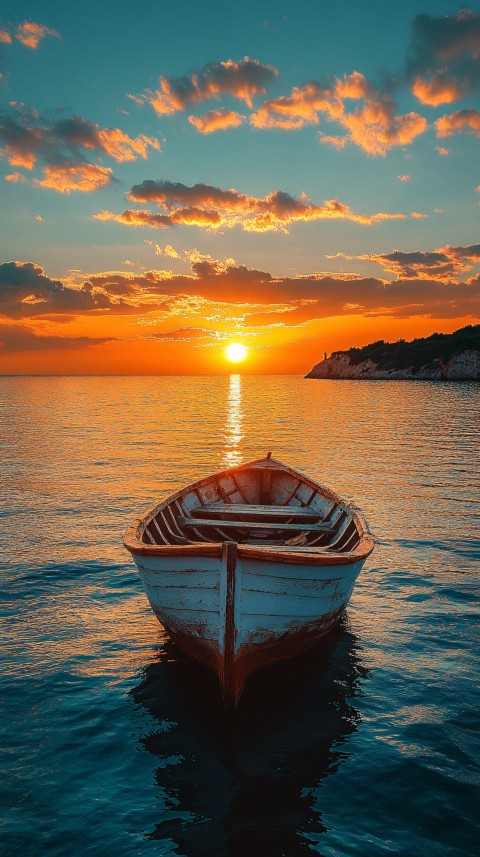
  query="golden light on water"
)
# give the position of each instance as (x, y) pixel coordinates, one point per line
(234, 421)
(236, 352)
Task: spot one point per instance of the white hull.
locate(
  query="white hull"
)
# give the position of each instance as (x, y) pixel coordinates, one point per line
(278, 609)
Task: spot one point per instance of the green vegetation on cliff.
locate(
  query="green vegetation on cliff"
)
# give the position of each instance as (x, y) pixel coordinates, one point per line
(420, 352)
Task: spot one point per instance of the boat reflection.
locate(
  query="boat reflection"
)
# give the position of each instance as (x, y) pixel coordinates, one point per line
(245, 784)
(233, 425)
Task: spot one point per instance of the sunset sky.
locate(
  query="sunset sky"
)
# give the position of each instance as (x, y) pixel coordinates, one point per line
(177, 177)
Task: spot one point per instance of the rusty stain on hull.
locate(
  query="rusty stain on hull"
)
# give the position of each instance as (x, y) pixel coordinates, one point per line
(192, 644)
(263, 649)
(270, 649)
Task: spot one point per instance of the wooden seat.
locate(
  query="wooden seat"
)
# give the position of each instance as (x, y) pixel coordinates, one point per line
(254, 525)
(256, 512)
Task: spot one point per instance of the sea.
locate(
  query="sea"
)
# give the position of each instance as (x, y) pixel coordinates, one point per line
(114, 743)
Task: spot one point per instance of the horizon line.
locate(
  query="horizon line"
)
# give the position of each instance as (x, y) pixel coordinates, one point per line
(143, 374)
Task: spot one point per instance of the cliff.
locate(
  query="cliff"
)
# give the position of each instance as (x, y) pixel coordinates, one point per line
(441, 357)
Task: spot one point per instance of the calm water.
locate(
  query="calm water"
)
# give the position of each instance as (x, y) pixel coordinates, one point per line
(115, 744)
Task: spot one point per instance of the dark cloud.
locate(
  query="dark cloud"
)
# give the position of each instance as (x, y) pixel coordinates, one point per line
(235, 273)
(206, 268)
(15, 337)
(26, 291)
(443, 59)
(459, 122)
(469, 251)
(402, 298)
(58, 319)
(61, 147)
(444, 264)
(170, 194)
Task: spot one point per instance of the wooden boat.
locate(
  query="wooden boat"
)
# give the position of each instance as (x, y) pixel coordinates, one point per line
(249, 566)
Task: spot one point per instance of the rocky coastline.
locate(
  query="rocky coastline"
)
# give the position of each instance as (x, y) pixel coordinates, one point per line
(405, 361)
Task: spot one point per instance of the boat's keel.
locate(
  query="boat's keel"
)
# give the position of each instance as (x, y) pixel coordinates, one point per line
(262, 650)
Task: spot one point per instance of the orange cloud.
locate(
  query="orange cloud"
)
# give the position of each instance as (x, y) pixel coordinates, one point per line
(214, 207)
(16, 178)
(216, 120)
(171, 252)
(25, 159)
(121, 147)
(214, 293)
(181, 217)
(332, 140)
(168, 250)
(81, 177)
(185, 334)
(242, 80)
(31, 34)
(298, 109)
(374, 126)
(354, 86)
(5, 37)
(455, 123)
(437, 91)
(266, 119)
(404, 178)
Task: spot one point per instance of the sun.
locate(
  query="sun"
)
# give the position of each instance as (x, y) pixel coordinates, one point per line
(236, 352)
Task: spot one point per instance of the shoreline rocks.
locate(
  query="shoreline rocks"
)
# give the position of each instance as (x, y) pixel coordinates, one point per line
(461, 367)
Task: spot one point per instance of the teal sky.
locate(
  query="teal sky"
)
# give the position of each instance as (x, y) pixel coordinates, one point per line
(86, 60)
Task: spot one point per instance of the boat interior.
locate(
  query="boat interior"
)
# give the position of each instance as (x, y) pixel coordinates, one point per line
(262, 503)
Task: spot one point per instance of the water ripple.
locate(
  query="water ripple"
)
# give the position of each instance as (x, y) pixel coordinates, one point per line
(116, 743)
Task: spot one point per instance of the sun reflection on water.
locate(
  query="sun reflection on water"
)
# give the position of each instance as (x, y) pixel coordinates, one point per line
(234, 422)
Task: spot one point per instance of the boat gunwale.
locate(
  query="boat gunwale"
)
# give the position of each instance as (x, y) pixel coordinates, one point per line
(266, 553)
